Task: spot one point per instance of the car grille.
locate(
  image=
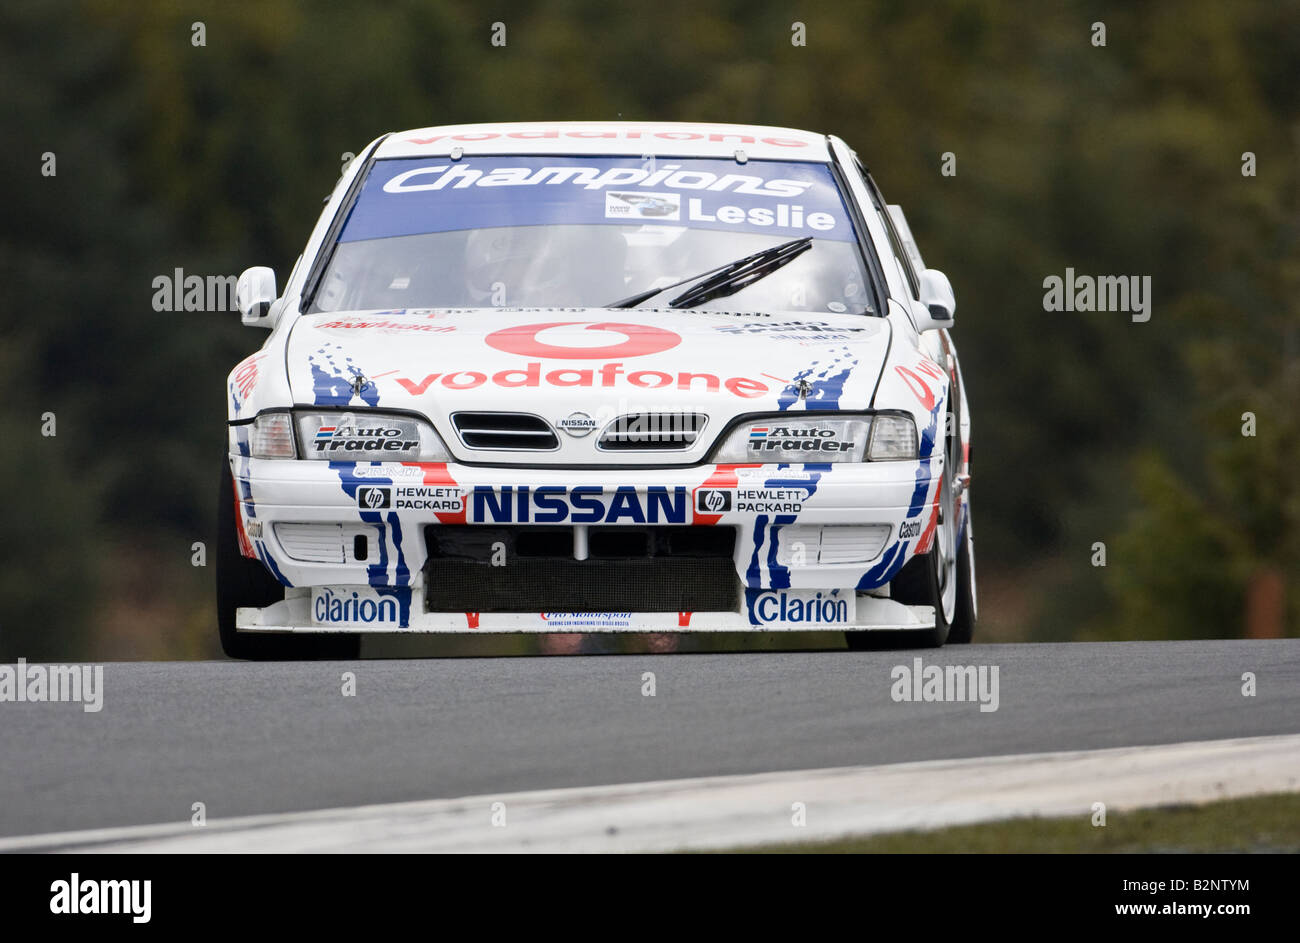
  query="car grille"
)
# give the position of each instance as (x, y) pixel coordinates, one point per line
(652, 432)
(505, 432)
(628, 569)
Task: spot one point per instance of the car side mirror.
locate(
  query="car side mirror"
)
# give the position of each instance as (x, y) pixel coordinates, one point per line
(938, 301)
(254, 294)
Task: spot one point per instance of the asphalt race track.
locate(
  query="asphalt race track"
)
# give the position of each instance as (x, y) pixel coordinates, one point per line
(262, 738)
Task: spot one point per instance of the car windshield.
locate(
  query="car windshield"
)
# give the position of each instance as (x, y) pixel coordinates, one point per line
(589, 232)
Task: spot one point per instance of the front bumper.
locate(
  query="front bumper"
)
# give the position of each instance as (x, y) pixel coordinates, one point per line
(794, 567)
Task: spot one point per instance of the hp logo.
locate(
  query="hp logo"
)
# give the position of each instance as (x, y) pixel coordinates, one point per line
(714, 501)
(374, 498)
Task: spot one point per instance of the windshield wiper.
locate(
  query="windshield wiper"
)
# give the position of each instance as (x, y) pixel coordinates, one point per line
(725, 279)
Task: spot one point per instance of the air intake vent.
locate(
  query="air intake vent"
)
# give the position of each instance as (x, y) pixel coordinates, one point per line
(505, 432)
(652, 432)
(632, 569)
(326, 543)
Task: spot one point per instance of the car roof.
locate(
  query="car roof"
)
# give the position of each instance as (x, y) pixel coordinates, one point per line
(634, 138)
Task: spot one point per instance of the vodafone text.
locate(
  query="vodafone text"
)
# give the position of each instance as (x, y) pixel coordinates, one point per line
(605, 376)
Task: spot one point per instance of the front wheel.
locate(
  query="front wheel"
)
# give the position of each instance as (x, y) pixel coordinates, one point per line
(243, 582)
(918, 583)
(963, 620)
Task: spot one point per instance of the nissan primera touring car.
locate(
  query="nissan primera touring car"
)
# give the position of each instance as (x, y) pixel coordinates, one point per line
(586, 377)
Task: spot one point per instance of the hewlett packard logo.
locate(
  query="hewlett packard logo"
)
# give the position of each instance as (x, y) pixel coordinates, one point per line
(713, 500)
(373, 498)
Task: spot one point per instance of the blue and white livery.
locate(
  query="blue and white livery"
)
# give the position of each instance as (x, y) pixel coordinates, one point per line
(600, 377)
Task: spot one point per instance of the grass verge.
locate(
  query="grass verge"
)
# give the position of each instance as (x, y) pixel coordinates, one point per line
(1257, 824)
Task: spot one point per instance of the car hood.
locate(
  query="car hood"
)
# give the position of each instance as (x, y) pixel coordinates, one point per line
(598, 363)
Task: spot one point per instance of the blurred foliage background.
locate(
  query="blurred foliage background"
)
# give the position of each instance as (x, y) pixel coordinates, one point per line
(1124, 159)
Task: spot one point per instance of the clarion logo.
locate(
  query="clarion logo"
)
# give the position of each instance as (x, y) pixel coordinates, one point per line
(332, 608)
(787, 607)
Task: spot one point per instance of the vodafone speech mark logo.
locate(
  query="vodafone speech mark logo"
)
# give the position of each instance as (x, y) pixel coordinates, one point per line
(637, 340)
(612, 342)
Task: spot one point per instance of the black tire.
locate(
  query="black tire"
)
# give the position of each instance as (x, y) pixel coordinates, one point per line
(245, 582)
(963, 618)
(916, 584)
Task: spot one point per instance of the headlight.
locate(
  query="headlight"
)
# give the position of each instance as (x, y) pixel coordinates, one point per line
(369, 437)
(271, 436)
(797, 438)
(893, 438)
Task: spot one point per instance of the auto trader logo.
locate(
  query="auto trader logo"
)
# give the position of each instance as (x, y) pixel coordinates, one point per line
(713, 500)
(349, 438)
(797, 439)
(373, 498)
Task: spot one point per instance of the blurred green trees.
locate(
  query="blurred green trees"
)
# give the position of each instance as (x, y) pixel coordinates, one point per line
(1122, 159)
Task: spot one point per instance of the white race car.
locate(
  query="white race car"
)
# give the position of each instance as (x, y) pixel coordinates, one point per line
(590, 377)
